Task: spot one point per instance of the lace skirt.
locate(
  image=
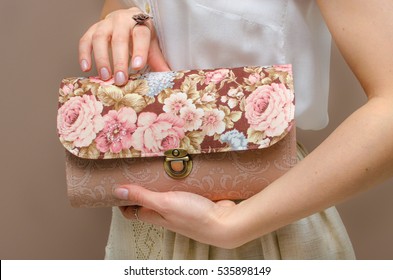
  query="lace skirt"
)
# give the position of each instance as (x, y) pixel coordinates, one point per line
(319, 236)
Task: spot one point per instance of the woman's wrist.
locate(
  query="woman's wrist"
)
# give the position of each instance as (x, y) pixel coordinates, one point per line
(228, 228)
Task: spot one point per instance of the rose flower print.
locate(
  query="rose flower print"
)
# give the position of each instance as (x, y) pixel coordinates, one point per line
(116, 135)
(216, 76)
(175, 102)
(157, 133)
(270, 109)
(213, 122)
(200, 110)
(192, 117)
(79, 120)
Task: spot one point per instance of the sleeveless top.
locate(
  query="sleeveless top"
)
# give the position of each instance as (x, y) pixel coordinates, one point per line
(203, 34)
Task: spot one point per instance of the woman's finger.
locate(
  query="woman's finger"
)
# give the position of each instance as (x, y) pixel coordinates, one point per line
(100, 40)
(141, 36)
(85, 48)
(119, 31)
(120, 51)
(156, 59)
(137, 195)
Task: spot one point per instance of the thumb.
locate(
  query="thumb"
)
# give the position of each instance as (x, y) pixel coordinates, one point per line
(137, 195)
(156, 59)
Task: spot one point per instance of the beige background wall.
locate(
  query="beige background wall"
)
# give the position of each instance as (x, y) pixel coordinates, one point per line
(38, 47)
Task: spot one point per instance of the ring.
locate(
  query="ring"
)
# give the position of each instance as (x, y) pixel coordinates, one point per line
(141, 19)
(136, 213)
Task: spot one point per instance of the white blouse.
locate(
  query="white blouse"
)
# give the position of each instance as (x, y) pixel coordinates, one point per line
(198, 34)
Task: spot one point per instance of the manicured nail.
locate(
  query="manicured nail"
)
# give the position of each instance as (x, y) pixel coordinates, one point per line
(121, 193)
(104, 73)
(137, 62)
(84, 65)
(120, 78)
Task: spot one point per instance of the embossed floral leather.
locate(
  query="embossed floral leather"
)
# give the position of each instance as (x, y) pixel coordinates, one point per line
(236, 125)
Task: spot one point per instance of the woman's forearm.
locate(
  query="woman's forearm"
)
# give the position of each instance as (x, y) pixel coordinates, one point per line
(356, 156)
(359, 153)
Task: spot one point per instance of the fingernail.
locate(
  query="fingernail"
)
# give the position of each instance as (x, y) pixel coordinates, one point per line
(104, 73)
(121, 193)
(84, 65)
(137, 62)
(120, 78)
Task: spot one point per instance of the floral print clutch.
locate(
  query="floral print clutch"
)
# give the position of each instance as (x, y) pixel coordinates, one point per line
(221, 133)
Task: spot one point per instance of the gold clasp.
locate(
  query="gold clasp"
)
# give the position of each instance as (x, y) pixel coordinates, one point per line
(178, 163)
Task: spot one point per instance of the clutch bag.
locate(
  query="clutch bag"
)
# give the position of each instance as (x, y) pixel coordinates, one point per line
(221, 133)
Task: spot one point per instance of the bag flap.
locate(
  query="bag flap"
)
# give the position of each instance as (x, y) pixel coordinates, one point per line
(201, 111)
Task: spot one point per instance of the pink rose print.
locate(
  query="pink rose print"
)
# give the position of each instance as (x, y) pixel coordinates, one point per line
(192, 117)
(68, 89)
(270, 109)
(175, 102)
(117, 133)
(97, 80)
(156, 134)
(254, 78)
(216, 76)
(213, 122)
(79, 120)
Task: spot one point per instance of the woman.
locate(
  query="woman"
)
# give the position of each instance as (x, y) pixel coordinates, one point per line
(275, 223)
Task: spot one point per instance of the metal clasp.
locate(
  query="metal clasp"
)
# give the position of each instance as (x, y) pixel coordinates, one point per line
(178, 163)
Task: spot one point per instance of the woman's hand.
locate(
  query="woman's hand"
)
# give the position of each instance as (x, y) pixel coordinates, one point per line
(120, 33)
(188, 214)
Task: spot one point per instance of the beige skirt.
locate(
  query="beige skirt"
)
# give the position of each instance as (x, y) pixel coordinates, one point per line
(319, 236)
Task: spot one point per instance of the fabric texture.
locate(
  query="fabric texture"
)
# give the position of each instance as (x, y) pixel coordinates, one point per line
(235, 128)
(200, 34)
(319, 236)
(212, 108)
